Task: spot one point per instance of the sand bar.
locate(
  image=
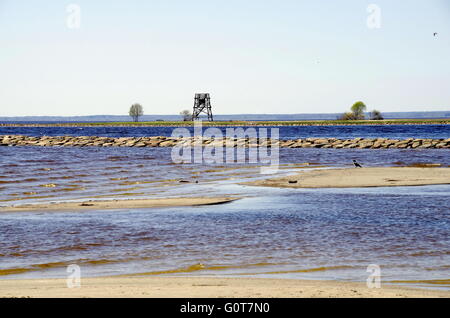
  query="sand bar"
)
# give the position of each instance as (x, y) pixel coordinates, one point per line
(118, 204)
(360, 177)
(195, 287)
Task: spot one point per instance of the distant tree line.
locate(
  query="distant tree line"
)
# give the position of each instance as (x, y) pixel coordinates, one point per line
(136, 111)
(357, 113)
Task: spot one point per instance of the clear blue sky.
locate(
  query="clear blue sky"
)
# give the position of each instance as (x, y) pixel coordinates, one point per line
(253, 56)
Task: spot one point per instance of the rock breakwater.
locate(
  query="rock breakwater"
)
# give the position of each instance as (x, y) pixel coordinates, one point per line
(162, 141)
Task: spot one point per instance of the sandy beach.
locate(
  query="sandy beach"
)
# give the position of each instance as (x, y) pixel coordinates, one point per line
(198, 287)
(118, 204)
(360, 177)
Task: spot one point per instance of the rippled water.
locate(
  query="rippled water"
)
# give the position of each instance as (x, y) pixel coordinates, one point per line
(286, 132)
(333, 234)
(293, 233)
(43, 174)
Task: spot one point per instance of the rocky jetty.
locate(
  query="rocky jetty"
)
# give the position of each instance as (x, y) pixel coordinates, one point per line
(161, 141)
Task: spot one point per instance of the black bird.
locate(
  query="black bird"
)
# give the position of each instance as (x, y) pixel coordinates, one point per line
(435, 33)
(357, 165)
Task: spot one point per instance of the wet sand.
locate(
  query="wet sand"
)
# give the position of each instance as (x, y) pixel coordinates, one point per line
(196, 287)
(360, 177)
(118, 204)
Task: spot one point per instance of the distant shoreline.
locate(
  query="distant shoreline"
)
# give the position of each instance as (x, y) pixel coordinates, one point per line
(238, 123)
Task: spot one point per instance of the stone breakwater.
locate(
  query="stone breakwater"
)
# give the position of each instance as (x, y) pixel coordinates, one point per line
(161, 141)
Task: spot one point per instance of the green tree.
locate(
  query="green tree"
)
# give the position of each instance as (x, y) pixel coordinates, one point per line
(358, 110)
(136, 111)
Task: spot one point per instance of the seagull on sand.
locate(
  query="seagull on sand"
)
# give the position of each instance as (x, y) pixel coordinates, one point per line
(357, 165)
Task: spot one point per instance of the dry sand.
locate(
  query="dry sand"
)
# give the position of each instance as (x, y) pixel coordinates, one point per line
(195, 287)
(360, 177)
(118, 204)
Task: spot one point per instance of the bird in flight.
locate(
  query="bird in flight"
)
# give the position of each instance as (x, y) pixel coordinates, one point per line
(435, 33)
(356, 164)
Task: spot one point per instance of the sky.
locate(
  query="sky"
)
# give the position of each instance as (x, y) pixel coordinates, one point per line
(252, 56)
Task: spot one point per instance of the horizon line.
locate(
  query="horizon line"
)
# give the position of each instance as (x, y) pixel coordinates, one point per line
(231, 114)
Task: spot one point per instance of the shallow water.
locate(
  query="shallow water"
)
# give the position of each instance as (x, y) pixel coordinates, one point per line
(45, 174)
(292, 233)
(324, 234)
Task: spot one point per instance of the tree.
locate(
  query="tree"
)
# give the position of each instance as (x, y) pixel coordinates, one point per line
(358, 110)
(376, 115)
(136, 111)
(186, 115)
(347, 116)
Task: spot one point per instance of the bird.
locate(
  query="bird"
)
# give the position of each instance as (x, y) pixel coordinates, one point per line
(357, 165)
(435, 33)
